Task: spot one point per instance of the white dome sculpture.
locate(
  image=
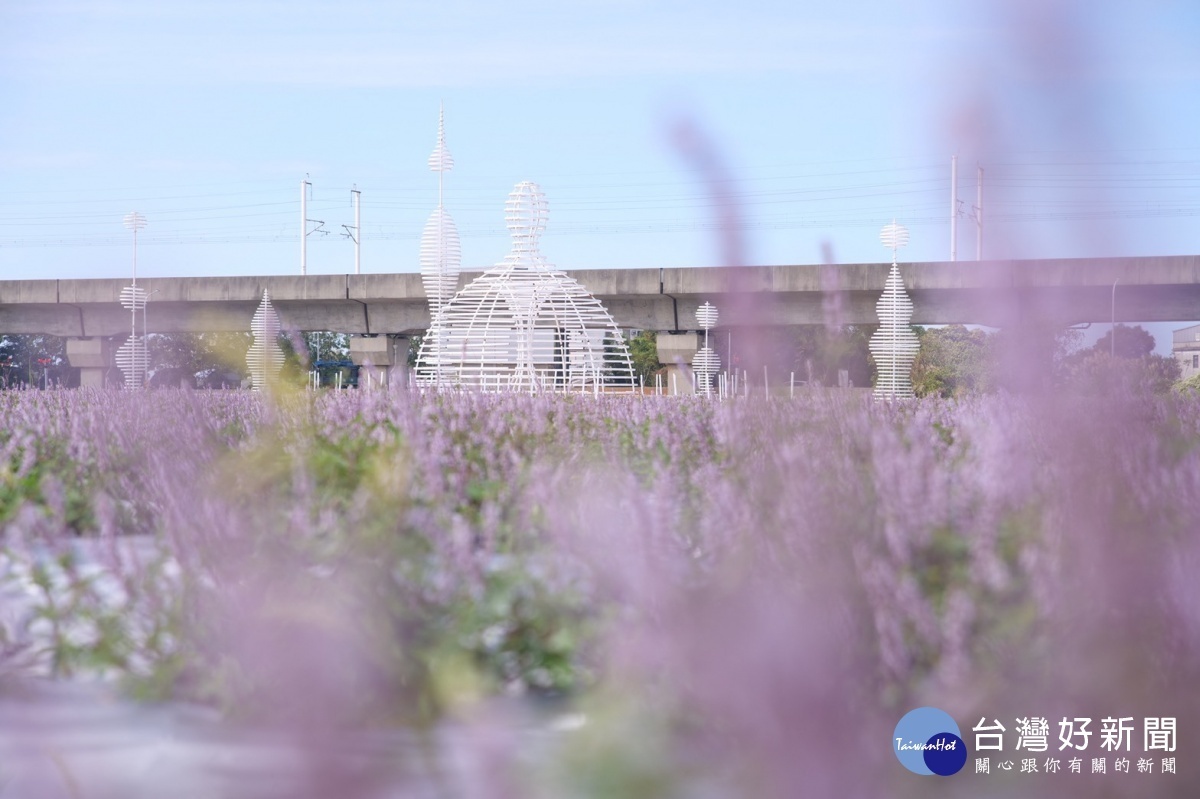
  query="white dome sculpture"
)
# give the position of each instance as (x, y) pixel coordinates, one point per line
(441, 251)
(893, 345)
(523, 325)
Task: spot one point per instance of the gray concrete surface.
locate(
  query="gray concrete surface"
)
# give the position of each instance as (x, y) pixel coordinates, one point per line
(1159, 288)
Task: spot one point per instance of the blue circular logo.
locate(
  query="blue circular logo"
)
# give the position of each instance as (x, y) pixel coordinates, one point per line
(927, 741)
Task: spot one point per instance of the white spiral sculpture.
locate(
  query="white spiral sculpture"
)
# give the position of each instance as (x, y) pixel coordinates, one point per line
(706, 363)
(523, 325)
(132, 357)
(264, 359)
(894, 346)
(441, 252)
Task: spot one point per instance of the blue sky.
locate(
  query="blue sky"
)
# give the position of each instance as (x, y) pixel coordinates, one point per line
(824, 121)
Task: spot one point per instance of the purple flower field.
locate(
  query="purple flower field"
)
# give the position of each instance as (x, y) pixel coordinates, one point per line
(726, 599)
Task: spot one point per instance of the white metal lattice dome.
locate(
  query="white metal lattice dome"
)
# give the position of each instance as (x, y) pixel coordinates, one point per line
(523, 325)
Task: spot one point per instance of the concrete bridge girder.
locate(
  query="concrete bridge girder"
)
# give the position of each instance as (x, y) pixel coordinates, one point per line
(1163, 288)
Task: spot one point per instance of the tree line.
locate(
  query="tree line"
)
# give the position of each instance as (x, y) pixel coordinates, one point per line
(203, 360)
(953, 361)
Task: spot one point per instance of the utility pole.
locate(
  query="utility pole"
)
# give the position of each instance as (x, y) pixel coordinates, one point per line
(353, 231)
(305, 187)
(979, 215)
(954, 208)
(304, 184)
(1112, 341)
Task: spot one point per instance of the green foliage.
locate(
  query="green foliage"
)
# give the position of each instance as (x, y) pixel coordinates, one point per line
(414, 349)
(523, 634)
(327, 346)
(324, 347)
(643, 351)
(444, 547)
(820, 356)
(1032, 355)
(51, 482)
(98, 623)
(1189, 386)
(510, 626)
(1130, 342)
(196, 353)
(953, 361)
(1094, 373)
(32, 360)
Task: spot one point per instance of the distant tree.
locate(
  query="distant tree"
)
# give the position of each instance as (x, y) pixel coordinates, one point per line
(199, 354)
(1033, 356)
(952, 361)
(327, 346)
(324, 347)
(643, 351)
(1131, 342)
(1089, 370)
(414, 349)
(1096, 374)
(175, 351)
(1162, 372)
(819, 356)
(33, 359)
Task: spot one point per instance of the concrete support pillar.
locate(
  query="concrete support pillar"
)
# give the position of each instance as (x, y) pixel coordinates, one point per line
(383, 360)
(675, 351)
(94, 357)
(399, 368)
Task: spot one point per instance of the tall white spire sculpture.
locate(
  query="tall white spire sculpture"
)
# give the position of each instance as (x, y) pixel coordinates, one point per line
(132, 357)
(264, 359)
(523, 325)
(706, 363)
(441, 253)
(894, 346)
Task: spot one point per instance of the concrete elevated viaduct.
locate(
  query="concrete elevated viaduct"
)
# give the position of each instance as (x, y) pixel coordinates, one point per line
(378, 306)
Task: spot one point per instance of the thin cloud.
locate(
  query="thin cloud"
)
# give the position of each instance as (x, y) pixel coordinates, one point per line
(14, 160)
(454, 44)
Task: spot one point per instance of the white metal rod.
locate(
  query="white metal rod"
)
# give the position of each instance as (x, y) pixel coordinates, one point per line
(357, 232)
(979, 216)
(1112, 340)
(304, 227)
(954, 208)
